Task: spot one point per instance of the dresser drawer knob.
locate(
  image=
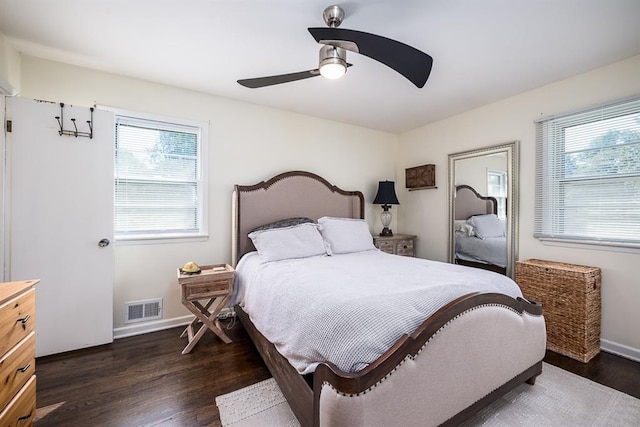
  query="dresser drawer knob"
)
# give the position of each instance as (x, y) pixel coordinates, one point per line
(25, 368)
(24, 321)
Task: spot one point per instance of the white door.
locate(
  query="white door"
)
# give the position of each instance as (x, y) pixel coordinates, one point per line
(61, 206)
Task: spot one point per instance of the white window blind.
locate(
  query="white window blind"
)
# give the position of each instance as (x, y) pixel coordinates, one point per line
(588, 176)
(158, 179)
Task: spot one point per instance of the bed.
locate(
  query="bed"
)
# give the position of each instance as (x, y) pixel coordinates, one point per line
(453, 364)
(487, 250)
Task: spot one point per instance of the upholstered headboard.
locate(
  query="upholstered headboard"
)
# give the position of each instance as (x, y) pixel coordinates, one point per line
(468, 203)
(288, 195)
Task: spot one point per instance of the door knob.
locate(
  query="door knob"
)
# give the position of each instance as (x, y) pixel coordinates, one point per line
(104, 242)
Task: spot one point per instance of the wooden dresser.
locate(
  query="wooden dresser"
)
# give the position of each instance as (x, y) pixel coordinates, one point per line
(17, 353)
(398, 244)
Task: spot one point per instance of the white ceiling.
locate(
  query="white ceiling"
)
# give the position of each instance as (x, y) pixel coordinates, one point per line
(483, 50)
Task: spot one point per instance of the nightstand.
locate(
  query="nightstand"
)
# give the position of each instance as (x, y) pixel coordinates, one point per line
(398, 244)
(213, 286)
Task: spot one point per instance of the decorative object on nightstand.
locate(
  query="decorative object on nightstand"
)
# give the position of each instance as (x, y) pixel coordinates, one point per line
(400, 244)
(214, 285)
(420, 177)
(17, 353)
(386, 197)
(190, 268)
(570, 298)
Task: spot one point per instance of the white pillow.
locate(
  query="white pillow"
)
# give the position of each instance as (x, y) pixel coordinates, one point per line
(298, 241)
(345, 235)
(461, 226)
(486, 226)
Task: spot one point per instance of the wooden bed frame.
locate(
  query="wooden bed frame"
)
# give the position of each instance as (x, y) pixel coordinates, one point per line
(456, 363)
(469, 202)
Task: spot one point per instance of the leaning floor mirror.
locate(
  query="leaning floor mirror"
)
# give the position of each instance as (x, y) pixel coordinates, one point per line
(483, 208)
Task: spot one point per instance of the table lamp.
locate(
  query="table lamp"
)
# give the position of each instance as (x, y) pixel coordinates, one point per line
(386, 197)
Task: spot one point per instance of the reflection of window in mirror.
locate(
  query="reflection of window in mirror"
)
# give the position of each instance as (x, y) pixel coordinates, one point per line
(497, 187)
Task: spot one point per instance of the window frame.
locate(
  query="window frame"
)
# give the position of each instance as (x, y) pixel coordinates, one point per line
(202, 183)
(501, 209)
(549, 174)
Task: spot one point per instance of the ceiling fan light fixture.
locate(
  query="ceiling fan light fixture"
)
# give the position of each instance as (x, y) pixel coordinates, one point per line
(333, 71)
(333, 62)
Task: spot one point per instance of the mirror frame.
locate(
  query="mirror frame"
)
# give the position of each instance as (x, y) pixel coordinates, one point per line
(512, 150)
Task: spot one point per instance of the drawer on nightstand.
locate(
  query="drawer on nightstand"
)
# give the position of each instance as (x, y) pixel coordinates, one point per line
(405, 247)
(16, 367)
(207, 290)
(399, 244)
(386, 247)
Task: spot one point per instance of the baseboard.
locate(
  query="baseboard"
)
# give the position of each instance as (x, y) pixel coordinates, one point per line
(154, 326)
(620, 350)
(160, 325)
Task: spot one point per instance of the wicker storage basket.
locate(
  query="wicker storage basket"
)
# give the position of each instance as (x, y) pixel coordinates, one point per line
(570, 298)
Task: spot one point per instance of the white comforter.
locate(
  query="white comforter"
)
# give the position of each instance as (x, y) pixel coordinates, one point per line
(492, 250)
(349, 309)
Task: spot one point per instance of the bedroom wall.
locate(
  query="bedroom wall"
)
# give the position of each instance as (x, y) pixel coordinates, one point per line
(248, 143)
(473, 171)
(9, 63)
(425, 212)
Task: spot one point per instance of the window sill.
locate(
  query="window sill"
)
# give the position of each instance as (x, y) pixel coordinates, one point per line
(160, 240)
(632, 248)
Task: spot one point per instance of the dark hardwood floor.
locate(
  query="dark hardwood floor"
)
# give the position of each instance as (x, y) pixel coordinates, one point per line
(607, 369)
(146, 381)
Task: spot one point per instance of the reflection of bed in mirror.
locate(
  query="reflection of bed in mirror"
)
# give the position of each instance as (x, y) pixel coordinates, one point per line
(480, 237)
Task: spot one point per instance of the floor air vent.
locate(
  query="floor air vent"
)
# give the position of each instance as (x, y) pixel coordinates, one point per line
(140, 311)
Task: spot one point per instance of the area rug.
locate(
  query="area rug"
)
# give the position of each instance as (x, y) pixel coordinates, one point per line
(559, 398)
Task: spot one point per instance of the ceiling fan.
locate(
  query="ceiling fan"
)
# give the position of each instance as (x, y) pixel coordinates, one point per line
(412, 63)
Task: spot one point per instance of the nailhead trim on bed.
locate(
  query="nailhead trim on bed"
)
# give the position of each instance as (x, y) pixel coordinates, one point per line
(412, 357)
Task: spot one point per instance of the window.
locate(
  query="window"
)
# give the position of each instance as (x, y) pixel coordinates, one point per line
(159, 185)
(588, 176)
(497, 187)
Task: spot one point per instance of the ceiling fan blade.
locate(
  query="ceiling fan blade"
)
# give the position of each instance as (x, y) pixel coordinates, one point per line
(412, 63)
(276, 80)
(259, 82)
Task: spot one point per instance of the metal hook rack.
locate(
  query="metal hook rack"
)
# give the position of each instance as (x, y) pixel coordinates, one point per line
(74, 132)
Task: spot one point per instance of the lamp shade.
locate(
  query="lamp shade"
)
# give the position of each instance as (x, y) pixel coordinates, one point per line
(386, 194)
